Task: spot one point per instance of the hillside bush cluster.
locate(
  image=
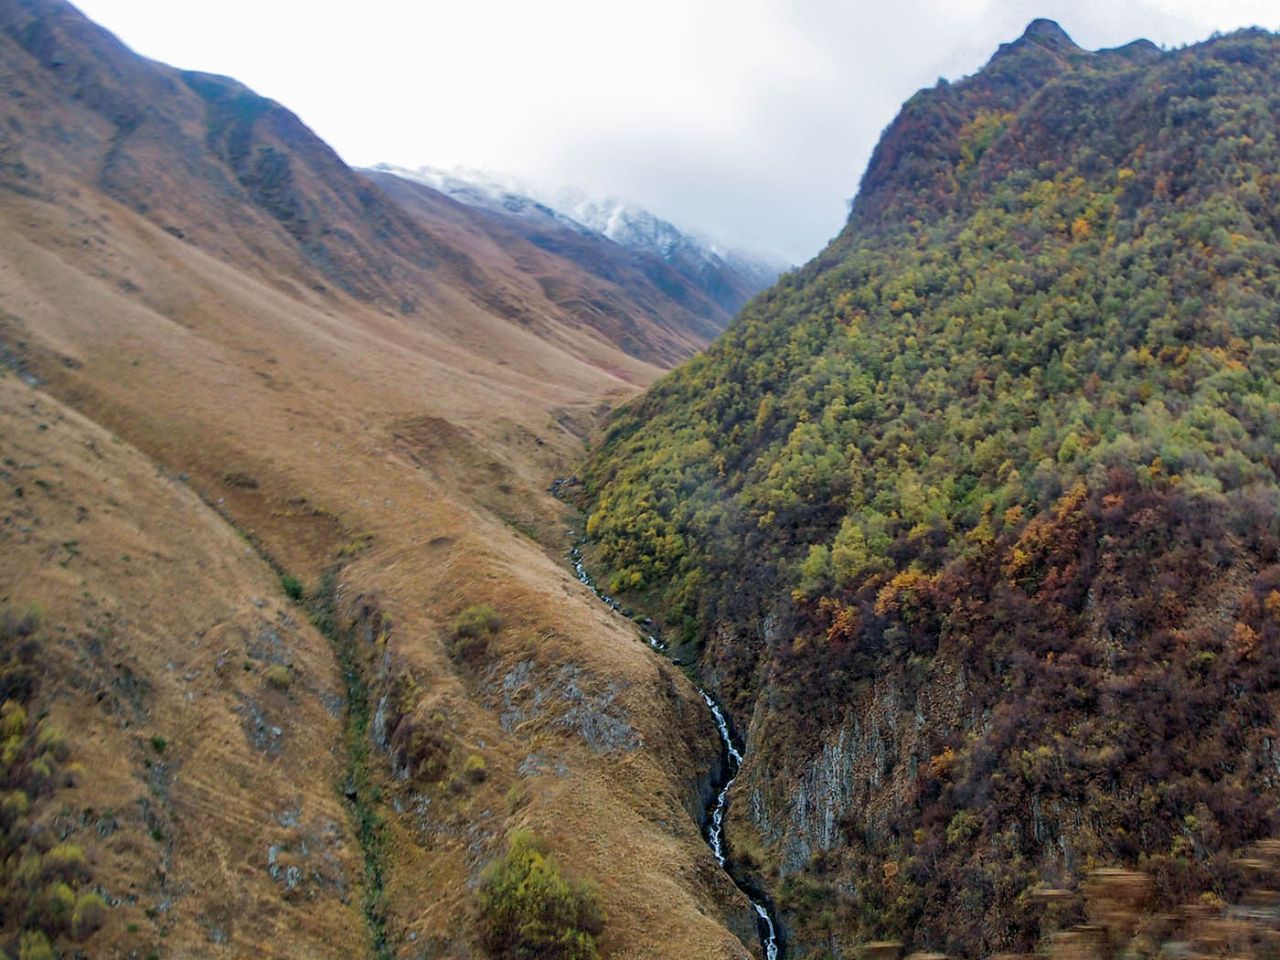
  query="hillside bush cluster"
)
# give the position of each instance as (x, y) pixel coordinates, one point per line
(469, 634)
(530, 911)
(45, 889)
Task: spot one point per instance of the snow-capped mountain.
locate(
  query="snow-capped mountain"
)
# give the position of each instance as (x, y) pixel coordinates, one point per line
(478, 189)
(637, 228)
(727, 276)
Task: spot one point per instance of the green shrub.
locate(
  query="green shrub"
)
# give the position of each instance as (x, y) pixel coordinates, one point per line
(962, 828)
(90, 914)
(477, 621)
(34, 946)
(51, 740)
(470, 632)
(13, 720)
(54, 906)
(158, 744)
(529, 909)
(66, 860)
(41, 771)
(27, 874)
(291, 586)
(15, 805)
(278, 676)
(475, 769)
(516, 797)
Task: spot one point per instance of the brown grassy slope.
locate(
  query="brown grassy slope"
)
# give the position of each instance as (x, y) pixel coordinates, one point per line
(157, 621)
(240, 176)
(401, 459)
(674, 320)
(410, 451)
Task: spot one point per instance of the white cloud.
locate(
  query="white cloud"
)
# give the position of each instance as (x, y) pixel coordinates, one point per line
(750, 119)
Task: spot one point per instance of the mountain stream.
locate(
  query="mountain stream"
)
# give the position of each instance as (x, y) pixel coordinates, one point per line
(765, 924)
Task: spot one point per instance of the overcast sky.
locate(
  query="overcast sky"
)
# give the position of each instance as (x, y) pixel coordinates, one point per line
(751, 120)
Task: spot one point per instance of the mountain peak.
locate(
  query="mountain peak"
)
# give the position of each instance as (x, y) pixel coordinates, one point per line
(1041, 36)
(1047, 31)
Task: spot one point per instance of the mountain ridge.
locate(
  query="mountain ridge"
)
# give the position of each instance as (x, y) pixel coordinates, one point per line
(973, 514)
(649, 309)
(223, 168)
(726, 276)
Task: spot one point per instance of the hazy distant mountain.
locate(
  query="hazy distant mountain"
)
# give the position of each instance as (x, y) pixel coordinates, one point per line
(638, 301)
(729, 277)
(637, 228)
(478, 189)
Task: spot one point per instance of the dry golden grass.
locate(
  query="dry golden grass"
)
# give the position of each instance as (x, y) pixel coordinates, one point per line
(413, 455)
(159, 622)
(376, 398)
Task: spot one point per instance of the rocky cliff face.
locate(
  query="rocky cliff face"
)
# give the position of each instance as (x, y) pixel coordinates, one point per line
(865, 770)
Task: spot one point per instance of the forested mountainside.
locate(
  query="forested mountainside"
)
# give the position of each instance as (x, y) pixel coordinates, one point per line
(977, 515)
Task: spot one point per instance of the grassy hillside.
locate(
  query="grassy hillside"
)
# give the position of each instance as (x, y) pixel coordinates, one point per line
(182, 715)
(306, 431)
(978, 510)
(236, 175)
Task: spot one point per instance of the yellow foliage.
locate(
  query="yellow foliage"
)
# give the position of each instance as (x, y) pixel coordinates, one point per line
(1244, 638)
(941, 763)
(13, 719)
(1018, 564)
(900, 588)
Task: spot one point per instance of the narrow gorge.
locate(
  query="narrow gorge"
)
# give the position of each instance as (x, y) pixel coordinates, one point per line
(732, 756)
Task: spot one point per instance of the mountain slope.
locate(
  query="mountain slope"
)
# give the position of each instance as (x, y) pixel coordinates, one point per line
(202, 156)
(975, 515)
(241, 177)
(727, 278)
(276, 439)
(203, 730)
(637, 302)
